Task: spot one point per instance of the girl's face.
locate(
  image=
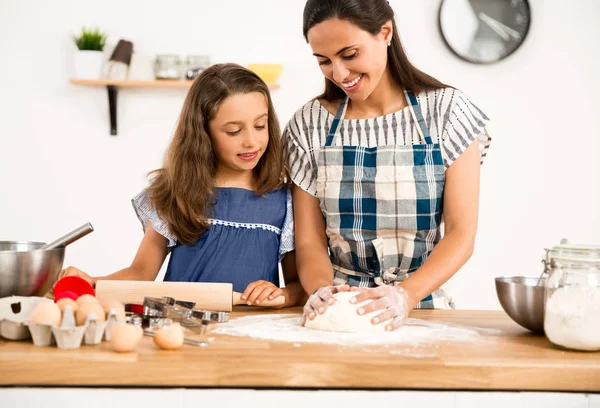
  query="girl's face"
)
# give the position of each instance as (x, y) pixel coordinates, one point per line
(352, 58)
(239, 132)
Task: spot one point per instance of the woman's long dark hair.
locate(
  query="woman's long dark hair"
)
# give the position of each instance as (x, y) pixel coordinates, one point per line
(182, 190)
(369, 15)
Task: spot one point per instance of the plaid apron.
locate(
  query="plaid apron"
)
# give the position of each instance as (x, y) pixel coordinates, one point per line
(382, 206)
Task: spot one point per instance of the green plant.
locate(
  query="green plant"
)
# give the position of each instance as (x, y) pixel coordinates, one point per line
(91, 39)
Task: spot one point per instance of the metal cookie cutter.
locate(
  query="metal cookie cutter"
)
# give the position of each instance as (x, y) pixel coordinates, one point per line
(158, 312)
(207, 315)
(168, 308)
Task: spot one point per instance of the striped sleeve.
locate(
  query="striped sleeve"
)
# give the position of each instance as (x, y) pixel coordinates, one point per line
(286, 243)
(146, 213)
(464, 123)
(300, 161)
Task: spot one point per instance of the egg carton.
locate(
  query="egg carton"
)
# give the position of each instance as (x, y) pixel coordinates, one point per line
(99, 330)
(70, 336)
(66, 336)
(14, 313)
(111, 320)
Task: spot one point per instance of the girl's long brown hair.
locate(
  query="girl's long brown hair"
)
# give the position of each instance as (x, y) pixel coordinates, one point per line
(182, 190)
(369, 15)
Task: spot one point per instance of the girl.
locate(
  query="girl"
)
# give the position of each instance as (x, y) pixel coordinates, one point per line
(220, 203)
(377, 161)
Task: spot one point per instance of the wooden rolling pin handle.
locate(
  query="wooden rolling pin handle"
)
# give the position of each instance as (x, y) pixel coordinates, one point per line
(278, 301)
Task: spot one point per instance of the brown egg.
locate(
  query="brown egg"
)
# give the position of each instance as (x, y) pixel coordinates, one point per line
(118, 307)
(169, 337)
(62, 303)
(83, 299)
(88, 308)
(46, 313)
(124, 337)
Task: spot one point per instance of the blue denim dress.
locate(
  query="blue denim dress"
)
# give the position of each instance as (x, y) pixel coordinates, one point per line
(247, 238)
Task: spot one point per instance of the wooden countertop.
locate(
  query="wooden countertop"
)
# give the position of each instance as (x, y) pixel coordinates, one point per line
(512, 360)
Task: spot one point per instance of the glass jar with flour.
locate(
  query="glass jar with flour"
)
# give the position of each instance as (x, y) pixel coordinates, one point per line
(572, 311)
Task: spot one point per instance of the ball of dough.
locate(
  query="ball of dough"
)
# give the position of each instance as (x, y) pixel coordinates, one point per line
(342, 316)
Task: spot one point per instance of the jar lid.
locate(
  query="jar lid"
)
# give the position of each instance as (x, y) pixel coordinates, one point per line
(575, 253)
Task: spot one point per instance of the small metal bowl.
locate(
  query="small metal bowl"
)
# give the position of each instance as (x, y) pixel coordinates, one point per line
(26, 270)
(523, 300)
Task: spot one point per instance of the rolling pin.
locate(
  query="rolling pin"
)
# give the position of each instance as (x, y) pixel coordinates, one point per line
(218, 297)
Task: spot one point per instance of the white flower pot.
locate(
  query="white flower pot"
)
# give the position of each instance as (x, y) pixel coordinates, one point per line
(88, 64)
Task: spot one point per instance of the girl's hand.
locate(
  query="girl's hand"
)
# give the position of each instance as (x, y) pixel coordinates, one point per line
(72, 271)
(258, 291)
(320, 300)
(392, 301)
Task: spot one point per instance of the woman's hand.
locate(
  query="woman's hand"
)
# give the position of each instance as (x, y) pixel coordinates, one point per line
(320, 300)
(72, 271)
(392, 301)
(257, 292)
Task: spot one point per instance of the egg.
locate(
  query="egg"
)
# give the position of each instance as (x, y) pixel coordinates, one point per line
(118, 307)
(87, 308)
(46, 313)
(64, 302)
(83, 299)
(124, 337)
(169, 337)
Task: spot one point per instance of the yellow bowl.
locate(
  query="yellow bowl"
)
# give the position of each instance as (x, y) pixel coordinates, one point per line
(267, 72)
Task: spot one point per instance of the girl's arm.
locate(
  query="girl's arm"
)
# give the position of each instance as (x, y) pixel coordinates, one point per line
(461, 209)
(145, 266)
(259, 291)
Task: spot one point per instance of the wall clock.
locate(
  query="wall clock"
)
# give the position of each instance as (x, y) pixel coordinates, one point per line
(484, 31)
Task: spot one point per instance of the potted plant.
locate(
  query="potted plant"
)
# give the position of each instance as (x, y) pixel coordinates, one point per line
(89, 56)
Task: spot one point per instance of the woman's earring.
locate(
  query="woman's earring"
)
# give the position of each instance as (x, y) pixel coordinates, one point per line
(389, 43)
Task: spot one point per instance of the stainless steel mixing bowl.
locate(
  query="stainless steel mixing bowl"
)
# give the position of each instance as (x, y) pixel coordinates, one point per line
(523, 300)
(27, 271)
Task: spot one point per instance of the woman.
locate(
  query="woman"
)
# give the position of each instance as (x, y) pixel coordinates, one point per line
(377, 161)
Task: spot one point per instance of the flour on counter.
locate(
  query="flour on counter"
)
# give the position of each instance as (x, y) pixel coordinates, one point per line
(573, 317)
(287, 328)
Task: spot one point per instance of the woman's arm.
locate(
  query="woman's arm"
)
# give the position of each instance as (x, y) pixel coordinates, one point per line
(312, 257)
(145, 266)
(312, 254)
(293, 290)
(461, 208)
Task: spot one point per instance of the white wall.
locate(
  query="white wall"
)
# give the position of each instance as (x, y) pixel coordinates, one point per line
(59, 167)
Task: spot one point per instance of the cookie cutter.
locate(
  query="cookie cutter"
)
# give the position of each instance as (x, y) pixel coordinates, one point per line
(158, 312)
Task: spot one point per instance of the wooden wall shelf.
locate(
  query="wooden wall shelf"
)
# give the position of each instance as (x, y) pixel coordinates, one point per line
(112, 86)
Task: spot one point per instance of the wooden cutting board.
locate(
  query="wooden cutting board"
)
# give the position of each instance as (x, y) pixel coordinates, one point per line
(218, 297)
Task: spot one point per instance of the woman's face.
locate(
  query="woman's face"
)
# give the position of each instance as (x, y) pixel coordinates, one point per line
(240, 132)
(350, 57)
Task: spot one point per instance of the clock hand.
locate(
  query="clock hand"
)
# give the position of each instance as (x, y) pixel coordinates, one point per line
(494, 27)
(499, 26)
(513, 33)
